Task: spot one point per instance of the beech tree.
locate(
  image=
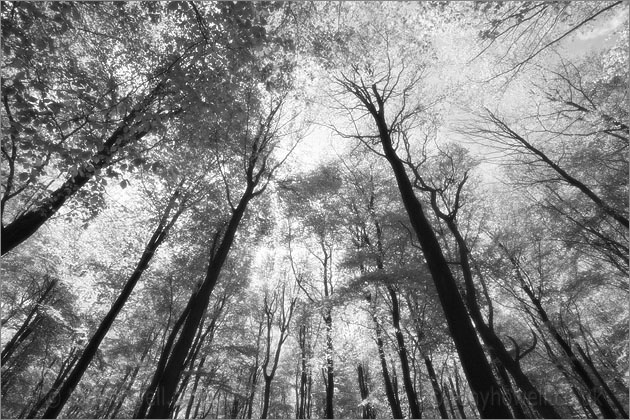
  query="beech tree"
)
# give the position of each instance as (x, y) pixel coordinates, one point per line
(165, 224)
(319, 289)
(374, 97)
(278, 307)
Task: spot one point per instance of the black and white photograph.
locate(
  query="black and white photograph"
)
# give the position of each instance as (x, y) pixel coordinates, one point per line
(314, 209)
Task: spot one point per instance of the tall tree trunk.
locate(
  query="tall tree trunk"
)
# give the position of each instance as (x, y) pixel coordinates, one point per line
(512, 398)
(192, 355)
(160, 233)
(402, 354)
(601, 380)
(66, 367)
(169, 379)
(486, 391)
(27, 326)
(193, 391)
(309, 396)
(198, 406)
(285, 315)
(487, 333)
(436, 388)
(131, 129)
(126, 391)
(367, 411)
(254, 374)
(330, 376)
(588, 410)
(448, 399)
(594, 391)
(134, 375)
(458, 399)
(394, 404)
(149, 393)
(303, 391)
(395, 383)
(97, 410)
(266, 397)
(116, 392)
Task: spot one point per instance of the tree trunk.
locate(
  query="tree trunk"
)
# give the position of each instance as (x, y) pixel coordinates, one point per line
(594, 391)
(117, 391)
(254, 375)
(168, 381)
(512, 398)
(128, 388)
(395, 384)
(367, 411)
(150, 392)
(436, 388)
(330, 377)
(588, 410)
(193, 391)
(156, 240)
(402, 354)
(192, 355)
(448, 399)
(488, 335)
(601, 380)
(458, 399)
(132, 128)
(394, 404)
(266, 397)
(486, 391)
(134, 375)
(27, 326)
(66, 366)
(303, 404)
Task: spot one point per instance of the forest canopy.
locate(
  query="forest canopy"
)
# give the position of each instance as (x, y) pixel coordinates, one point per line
(314, 209)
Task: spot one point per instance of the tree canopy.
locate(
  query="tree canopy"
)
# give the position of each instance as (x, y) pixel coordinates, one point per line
(314, 209)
